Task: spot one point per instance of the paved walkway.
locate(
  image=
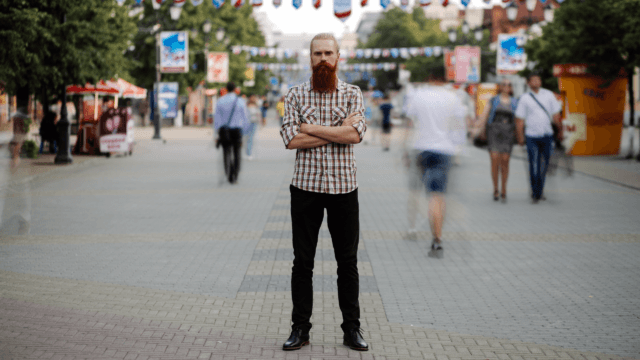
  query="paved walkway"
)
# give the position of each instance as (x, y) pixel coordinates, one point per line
(154, 256)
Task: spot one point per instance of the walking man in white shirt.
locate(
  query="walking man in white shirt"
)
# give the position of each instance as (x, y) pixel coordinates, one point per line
(536, 111)
(438, 118)
(323, 119)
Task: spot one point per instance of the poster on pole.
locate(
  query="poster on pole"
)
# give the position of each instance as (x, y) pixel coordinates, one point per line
(218, 67)
(467, 64)
(168, 99)
(511, 55)
(174, 52)
(449, 65)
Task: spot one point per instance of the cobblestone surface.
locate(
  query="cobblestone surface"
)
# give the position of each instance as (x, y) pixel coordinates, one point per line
(154, 256)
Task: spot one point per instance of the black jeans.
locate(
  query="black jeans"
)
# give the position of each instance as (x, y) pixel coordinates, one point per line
(307, 212)
(231, 153)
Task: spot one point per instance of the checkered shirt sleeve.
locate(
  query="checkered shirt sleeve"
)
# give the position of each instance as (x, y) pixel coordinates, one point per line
(330, 168)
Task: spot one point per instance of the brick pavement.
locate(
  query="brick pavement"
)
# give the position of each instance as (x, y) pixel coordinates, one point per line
(153, 257)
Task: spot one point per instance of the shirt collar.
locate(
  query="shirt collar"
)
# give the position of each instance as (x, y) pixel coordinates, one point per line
(341, 85)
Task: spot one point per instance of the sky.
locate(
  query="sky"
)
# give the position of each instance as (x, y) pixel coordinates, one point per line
(308, 20)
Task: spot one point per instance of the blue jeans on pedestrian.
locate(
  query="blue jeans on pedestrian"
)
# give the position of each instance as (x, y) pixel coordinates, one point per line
(250, 134)
(539, 151)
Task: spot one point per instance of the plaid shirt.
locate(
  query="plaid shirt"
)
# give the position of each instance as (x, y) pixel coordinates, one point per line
(331, 168)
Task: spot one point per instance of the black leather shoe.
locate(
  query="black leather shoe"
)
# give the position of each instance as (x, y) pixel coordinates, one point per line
(297, 339)
(353, 339)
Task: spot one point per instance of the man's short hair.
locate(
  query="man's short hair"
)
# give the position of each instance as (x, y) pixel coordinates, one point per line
(324, 36)
(231, 86)
(532, 74)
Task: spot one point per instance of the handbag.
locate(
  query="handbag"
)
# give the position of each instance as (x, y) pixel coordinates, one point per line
(224, 133)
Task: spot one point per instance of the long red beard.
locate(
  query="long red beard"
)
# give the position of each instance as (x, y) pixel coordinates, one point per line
(324, 77)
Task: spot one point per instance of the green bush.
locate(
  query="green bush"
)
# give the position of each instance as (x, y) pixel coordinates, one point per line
(30, 148)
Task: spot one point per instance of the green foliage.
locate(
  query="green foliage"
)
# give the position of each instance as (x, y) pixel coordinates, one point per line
(604, 34)
(240, 28)
(30, 149)
(50, 44)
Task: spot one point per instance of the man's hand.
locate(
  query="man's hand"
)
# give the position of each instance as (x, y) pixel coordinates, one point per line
(352, 119)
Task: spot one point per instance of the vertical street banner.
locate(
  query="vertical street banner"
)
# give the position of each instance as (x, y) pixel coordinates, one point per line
(168, 99)
(511, 55)
(449, 65)
(218, 67)
(467, 64)
(342, 9)
(174, 52)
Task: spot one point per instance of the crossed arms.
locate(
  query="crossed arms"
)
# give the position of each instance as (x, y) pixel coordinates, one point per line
(311, 136)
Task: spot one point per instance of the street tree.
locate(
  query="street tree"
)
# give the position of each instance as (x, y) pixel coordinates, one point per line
(240, 28)
(604, 34)
(50, 44)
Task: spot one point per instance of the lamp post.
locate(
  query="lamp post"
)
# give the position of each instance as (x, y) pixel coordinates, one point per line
(64, 154)
(156, 105)
(512, 11)
(548, 12)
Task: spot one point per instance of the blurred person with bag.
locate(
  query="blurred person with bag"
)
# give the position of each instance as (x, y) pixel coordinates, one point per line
(230, 118)
(498, 126)
(537, 113)
(49, 132)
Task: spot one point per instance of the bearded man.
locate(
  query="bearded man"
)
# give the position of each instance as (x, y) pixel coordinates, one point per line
(324, 118)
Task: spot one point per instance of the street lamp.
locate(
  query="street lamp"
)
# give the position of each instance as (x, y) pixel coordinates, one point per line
(477, 33)
(452, 35)
(175, 12)
(220, 34)
(548, 13)
(531, 5)
(465, 27)
(512, 11)
(207, 26)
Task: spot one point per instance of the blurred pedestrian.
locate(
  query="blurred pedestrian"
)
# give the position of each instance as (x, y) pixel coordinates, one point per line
(15, 198)
(324, 118)
(280, 108)
(231, 116)
(537, 110)
(264, 109)
(434, 112)
(499, 121)
(48, 132)
(385, 109)
(254, 120)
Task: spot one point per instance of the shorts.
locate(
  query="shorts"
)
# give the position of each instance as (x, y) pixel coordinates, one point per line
(430, 169)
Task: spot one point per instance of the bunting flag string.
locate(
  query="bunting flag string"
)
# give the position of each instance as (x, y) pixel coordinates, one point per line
(387, 66)
(404, 53)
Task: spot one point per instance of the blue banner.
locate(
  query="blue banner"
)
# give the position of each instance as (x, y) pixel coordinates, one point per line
(168, 99)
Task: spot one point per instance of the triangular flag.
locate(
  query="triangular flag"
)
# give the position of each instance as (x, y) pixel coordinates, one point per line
(120, 2)
(377, 53)
(385, 3)
(404, 4)
(427, 2)
(196, 2)
(238, 3)
(363, 3)
(317, 4)
(297, 4)
(444, 3)
(179, 3)
(368, 53)
(464, 3)
(342, 9)
(138, 2)
(256, 3)
(277, 3)
(217, 3)
(156, 4)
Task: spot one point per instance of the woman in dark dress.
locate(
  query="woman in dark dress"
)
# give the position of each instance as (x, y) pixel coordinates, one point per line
(499, 118)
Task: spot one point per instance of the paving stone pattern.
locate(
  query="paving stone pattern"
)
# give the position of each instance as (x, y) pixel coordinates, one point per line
(154, 256)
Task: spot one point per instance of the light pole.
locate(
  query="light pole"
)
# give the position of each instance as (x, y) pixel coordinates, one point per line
(64, 154)
(156, 105)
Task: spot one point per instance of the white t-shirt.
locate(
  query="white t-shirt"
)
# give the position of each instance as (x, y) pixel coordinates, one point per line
(439, 118)
(537, 122)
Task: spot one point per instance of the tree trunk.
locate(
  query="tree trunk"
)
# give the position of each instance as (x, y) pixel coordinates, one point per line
(22, 99)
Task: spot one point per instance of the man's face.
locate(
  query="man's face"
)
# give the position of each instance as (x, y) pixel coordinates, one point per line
(535, 82)
(324, 50)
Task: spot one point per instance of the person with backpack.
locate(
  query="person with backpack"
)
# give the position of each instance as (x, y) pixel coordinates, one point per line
(536, 113)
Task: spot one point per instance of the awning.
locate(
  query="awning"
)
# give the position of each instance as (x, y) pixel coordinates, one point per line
(102, 88)
(130, 91)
